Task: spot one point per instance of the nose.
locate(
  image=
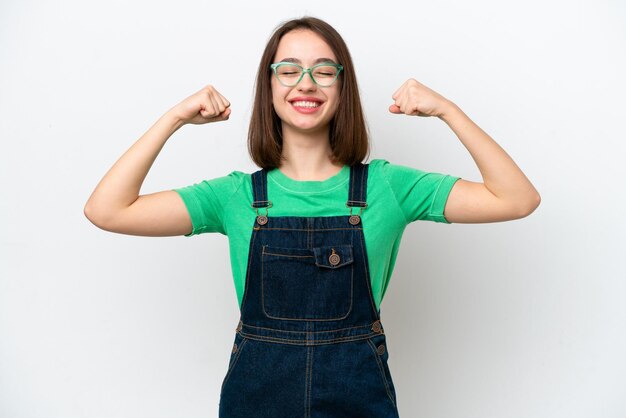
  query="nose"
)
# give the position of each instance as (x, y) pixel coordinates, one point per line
(307, 82)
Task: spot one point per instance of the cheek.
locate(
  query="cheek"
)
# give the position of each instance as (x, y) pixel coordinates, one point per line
(278, 95)
(278, 103)
(335, 101)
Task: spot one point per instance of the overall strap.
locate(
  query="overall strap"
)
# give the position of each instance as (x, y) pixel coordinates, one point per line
(259, 189)
(357, 195)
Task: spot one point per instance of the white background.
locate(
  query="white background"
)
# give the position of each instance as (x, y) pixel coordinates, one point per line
(518, 319)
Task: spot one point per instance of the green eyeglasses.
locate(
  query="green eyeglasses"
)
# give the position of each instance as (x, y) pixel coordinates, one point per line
(290, 74)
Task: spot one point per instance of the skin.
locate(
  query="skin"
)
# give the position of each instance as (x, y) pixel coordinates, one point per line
(116, 205)
(306, 145)
(505, 193)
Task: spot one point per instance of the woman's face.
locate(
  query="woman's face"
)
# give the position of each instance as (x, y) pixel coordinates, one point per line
(305, 107)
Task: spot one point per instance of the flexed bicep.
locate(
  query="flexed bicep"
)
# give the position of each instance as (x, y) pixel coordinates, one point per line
(156, 215)
(116, 205)
(472, 202)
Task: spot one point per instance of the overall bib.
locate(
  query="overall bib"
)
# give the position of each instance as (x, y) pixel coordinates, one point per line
(309, 342)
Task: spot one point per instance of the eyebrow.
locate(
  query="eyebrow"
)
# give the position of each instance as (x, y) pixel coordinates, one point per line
(317, 61)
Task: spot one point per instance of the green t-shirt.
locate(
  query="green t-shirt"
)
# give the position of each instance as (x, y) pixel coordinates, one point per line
(396, 196)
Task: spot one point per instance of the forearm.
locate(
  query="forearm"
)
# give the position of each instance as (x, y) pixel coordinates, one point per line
(501, 176)
(120, 186)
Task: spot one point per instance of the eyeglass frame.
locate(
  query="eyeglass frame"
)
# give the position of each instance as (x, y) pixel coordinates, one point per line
(275, 65)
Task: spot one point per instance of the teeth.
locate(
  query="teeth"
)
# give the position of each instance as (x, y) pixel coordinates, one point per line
(306, 104)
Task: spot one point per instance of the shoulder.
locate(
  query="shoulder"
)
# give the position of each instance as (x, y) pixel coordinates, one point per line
(393, 173)
(377, 166)
(222, 187)
(231, 181)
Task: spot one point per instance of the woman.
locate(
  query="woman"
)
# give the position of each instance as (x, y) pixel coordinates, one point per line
(314, 234)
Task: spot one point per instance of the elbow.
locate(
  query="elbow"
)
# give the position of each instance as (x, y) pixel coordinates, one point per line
(88, 211)
(529, 205)
(91, 214)
(95, 216)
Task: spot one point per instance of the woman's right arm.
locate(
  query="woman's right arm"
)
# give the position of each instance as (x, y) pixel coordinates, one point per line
(115, 205)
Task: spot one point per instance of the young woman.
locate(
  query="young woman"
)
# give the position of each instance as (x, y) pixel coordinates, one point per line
(314, 234)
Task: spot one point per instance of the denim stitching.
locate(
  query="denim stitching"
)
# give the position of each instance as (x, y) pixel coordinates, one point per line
(381, 370)
(368, 326)
(235, 360)
(351, 183)
(245, 291)
(303, 319)
(309, 342)
(363, 188)
(300, 229)
(309, 379)
(367, 276)
(287, 255)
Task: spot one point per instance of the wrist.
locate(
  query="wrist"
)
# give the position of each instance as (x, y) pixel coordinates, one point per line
(448, 110)
(172, 120)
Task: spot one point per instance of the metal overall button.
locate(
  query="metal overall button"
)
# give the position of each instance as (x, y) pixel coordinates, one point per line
(376, 326)
(262, 219)
(355, 219)
(380, 350)
(334, 258)
(239, 326)
(234, 348)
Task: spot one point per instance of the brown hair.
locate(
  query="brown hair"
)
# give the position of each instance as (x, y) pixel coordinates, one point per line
(349, 139)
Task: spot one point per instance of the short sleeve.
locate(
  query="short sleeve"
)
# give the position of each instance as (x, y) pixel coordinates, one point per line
(421, 195)
(205, 202)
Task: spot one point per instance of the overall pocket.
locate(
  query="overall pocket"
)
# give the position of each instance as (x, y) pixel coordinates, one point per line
(307, 283)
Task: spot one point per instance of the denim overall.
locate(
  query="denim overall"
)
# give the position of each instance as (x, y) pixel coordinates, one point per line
(309, 342)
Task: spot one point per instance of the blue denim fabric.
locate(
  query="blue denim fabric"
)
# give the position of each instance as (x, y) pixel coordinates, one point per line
(309, 342)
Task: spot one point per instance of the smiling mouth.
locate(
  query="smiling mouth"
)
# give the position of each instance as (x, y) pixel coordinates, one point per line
(306, 104)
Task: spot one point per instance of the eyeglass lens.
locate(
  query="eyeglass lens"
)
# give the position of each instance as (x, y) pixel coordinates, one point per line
(289, 75)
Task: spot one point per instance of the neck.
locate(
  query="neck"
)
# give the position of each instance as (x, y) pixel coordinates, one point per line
(307, 156)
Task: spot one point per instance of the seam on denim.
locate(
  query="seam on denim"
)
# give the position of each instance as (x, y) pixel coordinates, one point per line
(362, 196)
(261, 185)
(289, 255)
(368, 326)
(308, 342)
(351, 193)
(367, 275)
(264, 184)
(288, 251)
(309, 237)
(381, 370)
(254, 184)
(300, 229)
(349, 261)
(262, 277)
(245, 290)
(303, 319)
(309, 380)
(313, 319)
(310, 233)
(234, 361)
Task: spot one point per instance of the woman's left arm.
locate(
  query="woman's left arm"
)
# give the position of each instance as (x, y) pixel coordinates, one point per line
(505, 193)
